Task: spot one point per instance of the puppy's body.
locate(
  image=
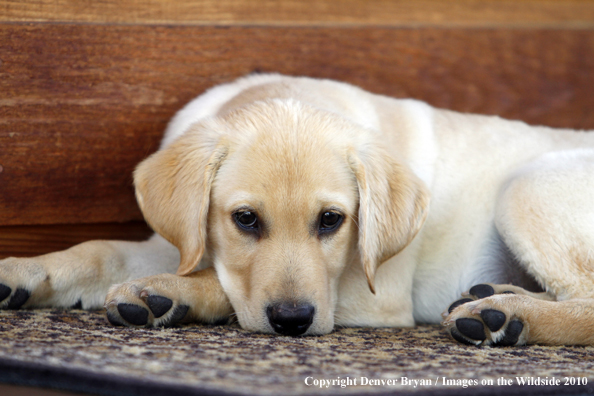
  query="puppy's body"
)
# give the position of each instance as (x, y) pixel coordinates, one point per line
(509, 203)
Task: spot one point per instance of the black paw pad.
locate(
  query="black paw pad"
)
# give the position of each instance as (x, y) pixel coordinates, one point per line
(512, 333)
(114, 320)
(177, 315)
(471, 328)
(133, 314)
(78, 305)
(4, 292)
(493, 319)
(458, 337)
(19, 297)
(456, 304)
(482, 290)
(159, 305)
(220, 322)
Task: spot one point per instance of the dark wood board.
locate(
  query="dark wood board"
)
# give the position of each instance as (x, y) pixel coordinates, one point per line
(80, 105)
(28, 241)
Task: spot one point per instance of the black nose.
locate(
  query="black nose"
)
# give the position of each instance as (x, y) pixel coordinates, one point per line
(290, 319)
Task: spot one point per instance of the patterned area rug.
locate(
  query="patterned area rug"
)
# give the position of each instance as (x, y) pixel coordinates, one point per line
(79, 351)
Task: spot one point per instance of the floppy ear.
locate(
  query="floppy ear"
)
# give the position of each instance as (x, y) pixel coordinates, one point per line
(173, 190)
(393, 204)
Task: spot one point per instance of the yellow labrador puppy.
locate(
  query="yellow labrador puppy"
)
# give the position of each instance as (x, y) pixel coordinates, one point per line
(300, 205)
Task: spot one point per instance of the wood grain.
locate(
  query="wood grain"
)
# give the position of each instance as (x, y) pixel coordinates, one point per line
(28, 241)
(558, 14)
(80, 105)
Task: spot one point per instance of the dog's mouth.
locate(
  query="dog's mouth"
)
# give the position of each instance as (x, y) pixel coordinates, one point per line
(290, 319)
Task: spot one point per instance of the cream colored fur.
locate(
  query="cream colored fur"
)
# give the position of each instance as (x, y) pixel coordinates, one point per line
(434, 202)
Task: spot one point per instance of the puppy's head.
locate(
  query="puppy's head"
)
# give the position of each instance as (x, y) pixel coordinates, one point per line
(284, 198)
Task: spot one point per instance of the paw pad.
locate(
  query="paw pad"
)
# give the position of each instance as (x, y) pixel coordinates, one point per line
(493, 319)
(159, 311)
(114, 320)
(4, 292)
(512, 334)
(78, 305)
(159, 305)
(133, 314)
(19, 297)
(471, 328)
(456, 304)
(458, 337)
(178, 314)
(482, 290)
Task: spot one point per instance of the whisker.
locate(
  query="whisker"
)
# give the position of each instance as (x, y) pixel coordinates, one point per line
(338, 318)
(354, 221)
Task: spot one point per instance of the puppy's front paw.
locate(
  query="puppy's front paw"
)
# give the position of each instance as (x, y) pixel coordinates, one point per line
(19, 279)
(494, 320)
(146, 302)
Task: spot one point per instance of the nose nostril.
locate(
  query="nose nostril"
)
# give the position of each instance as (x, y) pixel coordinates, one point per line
(290, 319)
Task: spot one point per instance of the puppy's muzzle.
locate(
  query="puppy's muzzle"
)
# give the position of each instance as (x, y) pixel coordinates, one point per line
(289, 318)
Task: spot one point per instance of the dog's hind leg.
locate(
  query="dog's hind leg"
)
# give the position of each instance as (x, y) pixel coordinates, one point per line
(490, 289)
(512, 319)
(546, 219)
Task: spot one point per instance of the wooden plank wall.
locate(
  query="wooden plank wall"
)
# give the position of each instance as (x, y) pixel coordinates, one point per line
(87, 87)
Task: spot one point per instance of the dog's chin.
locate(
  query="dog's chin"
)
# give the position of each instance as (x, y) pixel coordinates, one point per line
(262, 326)
(321, 329)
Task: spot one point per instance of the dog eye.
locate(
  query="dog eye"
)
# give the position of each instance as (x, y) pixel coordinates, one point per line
(329, 221)
(246, 220)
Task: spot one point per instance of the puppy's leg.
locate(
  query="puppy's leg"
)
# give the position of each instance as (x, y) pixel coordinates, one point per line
(512, 319)
(81, 276)
(484, 324)
(490, 289)
(165, 299)
(545, 217)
